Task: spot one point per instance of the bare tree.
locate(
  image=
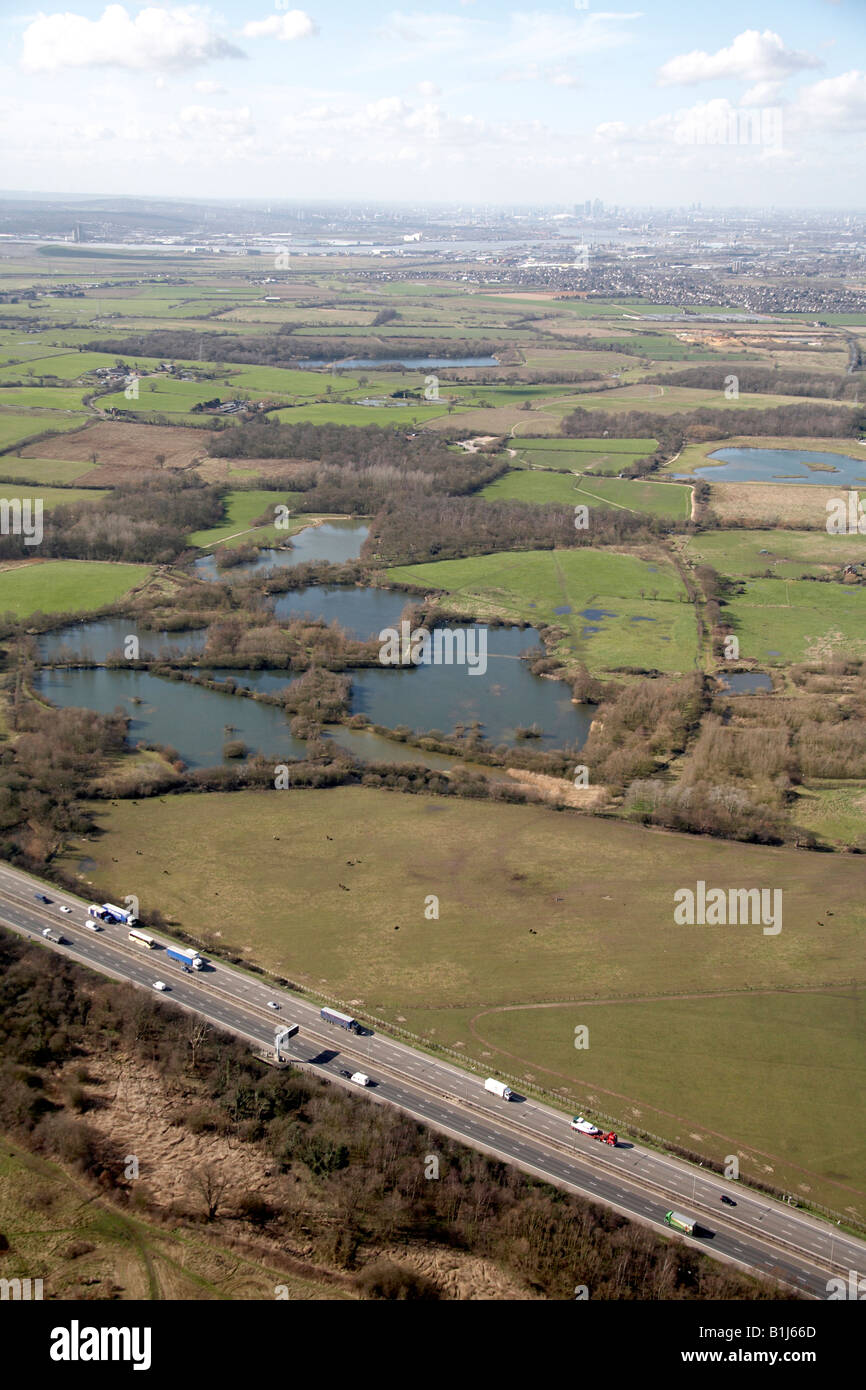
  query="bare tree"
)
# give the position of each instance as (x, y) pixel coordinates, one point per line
(210, 1184)
(197, 1030)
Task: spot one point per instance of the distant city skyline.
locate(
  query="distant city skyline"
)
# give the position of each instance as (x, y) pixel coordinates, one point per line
(742, 105)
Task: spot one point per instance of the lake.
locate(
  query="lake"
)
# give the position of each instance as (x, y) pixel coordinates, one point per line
(782, 466)
(193, 720)
(505, 696)
(189, 718)
(94, 641)
(361, 611)
(333, 541)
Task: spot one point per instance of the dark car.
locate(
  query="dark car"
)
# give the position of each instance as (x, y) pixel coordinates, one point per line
(346, 1074)
(728, 1201)
(41, 898)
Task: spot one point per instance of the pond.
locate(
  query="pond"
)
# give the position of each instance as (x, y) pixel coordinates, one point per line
(95, 641)
(783, 466)
(333, 541)
(746, 682)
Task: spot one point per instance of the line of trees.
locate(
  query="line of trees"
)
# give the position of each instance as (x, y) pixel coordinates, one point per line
(774, 381)
(409, 530)
(806, 418)
(145, 523)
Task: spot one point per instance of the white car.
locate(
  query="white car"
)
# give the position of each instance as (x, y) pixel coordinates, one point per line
(360, 1078)
(272, 1005)
(92, 926)
(66, 909)
(160, 984)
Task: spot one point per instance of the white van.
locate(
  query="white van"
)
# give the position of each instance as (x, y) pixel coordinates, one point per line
(160, 984)
(92, 926)
(360, 1078)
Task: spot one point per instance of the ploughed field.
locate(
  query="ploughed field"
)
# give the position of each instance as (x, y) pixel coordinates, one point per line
(722, 1038)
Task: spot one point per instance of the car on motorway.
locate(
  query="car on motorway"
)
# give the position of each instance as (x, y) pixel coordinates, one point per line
(360, 1078)
(346, 1074)
(65, 909)
(41, 898)
(92, 926)
(728, 1201)
(272, 1004)
(160, 984)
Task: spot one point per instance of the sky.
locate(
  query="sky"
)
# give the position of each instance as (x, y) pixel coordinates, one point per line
(657, 102)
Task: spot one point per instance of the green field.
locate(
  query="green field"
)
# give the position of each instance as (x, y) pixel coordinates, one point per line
(610, 446)
(42, 397)
(68, 366)
(241, 510)
(52, 496)
(795, 1090)
(658, 499)
(576, 880)
(785, 620)
(16, 428)
(667, 400)
(607, 456)
(536, 586)
(42, 471)
(789, 554)
(65, 586)
(836, 811)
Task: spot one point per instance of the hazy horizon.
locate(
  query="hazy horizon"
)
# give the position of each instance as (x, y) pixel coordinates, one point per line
(468, 101)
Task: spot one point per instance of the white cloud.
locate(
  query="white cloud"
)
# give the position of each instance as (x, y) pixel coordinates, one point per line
(838, 103)
(752, 57)
(295, 24)
(428, 89)
(707, 126)
(762, 94)
(208, 89)
(154, 39)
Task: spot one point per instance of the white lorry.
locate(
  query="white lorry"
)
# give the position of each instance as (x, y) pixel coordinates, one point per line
(498, 1088)
(360, 1078)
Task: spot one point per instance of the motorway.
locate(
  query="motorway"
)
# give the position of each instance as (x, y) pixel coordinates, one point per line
(760, 1235)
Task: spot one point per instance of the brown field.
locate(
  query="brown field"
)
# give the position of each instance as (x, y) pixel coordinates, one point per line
(497, 420)
(215, 470)
(772, 504)
(122, 448)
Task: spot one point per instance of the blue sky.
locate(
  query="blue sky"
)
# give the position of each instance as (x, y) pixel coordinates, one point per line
(663, 103)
